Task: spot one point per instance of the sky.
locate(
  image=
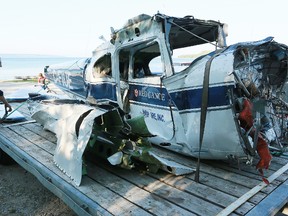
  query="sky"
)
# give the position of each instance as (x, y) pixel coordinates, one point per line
(72, 27)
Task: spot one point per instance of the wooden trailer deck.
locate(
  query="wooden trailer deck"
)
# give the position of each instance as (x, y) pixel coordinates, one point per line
(225, 188)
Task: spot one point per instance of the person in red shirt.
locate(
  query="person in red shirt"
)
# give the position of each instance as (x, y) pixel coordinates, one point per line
(41, 79)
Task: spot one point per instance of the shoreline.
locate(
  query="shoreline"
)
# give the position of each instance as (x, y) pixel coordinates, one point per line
(20, 80)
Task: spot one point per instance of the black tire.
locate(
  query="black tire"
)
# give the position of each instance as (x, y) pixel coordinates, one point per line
(5, 159)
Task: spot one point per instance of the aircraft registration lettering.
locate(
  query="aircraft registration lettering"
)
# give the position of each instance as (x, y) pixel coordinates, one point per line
(153, 115)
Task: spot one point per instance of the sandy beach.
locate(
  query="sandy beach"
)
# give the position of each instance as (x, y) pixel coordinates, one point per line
(22, 194)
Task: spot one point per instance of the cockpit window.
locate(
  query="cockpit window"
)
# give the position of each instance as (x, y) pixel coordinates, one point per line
(102, 67)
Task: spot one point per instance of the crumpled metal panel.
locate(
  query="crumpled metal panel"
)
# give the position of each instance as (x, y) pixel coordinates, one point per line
(171, 166)
(153, 161)
(72, 137)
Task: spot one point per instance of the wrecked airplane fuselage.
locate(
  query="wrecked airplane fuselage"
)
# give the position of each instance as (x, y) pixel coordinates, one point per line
(220, 104)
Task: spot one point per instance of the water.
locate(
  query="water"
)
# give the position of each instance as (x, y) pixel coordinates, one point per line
(32, 65)
(14, 65)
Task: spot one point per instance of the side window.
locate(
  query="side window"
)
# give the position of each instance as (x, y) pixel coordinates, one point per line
(143, 64)
(102, 67)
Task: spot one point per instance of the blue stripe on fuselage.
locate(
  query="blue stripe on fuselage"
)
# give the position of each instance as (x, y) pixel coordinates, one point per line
(192, 98)
(185, 99)
(103, 91)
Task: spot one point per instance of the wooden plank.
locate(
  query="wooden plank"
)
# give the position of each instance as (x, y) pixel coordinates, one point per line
(248, 171)
(226, 186)
(252, 192)
(109, 200)
(34, 138)
(247, 177)
(255, 199)
(273, 202)
(38, 140)
(152, 203)
(214, 168)
(229, 165)
(52, 182)
(282, 159)
(202, 191)
(23, 131)
(38, 129)
(233, 175)
(154, 193)
(94, 191)
(165, 192)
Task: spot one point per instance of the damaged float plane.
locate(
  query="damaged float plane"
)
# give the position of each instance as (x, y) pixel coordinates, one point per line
(130, 93)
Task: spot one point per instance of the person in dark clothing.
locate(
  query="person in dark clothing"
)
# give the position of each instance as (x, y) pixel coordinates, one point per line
(4, 101)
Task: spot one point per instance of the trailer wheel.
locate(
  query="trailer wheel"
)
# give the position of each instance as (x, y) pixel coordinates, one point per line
(5, 159)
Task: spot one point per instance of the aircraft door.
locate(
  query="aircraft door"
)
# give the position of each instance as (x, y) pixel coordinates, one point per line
(149, 98)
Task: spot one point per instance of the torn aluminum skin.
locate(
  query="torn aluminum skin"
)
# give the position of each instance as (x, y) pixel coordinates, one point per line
(72, 131)
(131, 152)
(74, 126)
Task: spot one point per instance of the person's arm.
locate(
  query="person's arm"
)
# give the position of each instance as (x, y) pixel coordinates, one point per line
(4, 101)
